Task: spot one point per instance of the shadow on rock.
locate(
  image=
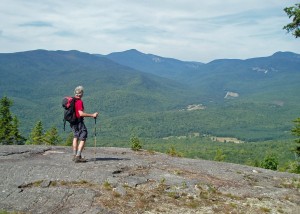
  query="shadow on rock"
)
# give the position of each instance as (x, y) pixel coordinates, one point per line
(107, 159)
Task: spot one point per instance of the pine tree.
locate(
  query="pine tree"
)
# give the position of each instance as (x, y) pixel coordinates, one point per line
(36, 135)
(51, 137)
(9, 133)
(69, 140)
(15, 136)
(296, 132)
(5, 120)
(294, 13)
(135, 143)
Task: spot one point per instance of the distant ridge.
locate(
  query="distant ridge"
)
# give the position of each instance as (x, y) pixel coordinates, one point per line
(225, 74)
(161, 66)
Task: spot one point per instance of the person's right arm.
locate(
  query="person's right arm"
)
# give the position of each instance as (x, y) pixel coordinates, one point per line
(83, 114)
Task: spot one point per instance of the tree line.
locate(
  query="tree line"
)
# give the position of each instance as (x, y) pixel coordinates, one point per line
(10, 134)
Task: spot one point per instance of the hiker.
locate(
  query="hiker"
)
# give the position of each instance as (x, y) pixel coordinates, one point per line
(79, 129)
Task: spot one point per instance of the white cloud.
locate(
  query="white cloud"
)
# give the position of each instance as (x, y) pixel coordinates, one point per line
(187, 30)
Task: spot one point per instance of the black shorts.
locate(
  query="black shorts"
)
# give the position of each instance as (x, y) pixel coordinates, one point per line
(80, 131)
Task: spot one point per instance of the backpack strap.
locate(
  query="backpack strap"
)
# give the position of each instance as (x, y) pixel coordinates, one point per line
(64, 124)
(74, 103)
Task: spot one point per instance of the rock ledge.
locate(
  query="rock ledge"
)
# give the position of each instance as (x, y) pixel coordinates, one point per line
(41, 179)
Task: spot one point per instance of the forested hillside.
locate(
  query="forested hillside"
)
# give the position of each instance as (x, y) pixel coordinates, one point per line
(37, 81)
(254, 99)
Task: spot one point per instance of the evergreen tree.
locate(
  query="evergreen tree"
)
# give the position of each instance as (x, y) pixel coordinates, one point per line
(9, 133)
(135, 143)
(36, 135)
(5, 120)
(51, 137)
(69, 140)
(294, 26)
(296, 132)
(15, 136)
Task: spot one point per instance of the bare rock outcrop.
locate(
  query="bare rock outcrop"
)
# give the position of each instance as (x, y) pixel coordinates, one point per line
(41, 179)
(230, 94)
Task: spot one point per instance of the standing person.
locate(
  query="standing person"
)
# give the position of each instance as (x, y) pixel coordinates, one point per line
(79, 130)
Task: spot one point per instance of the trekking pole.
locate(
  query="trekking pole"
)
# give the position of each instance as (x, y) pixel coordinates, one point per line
(95, 140)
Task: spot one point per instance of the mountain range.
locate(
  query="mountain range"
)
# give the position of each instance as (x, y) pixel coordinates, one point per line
(244, 76)
(252, 99)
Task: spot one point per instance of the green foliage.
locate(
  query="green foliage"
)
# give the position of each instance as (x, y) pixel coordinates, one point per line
(248, 121)
(37, 135)
(107, 185)
(296, 132)
(270, 162)
(172, 152)
(219, 155)
(15, 134)
(294, 26)
(127, 98)
(9, 125)
(5, 120)
(51, 137)
(136, 144)
(4, 212)
(254, 163)
(69, 140)
(291, 166)
(251, 153)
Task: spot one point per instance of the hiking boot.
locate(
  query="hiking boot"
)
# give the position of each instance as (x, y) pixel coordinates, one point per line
(79, 159)
(74, 157)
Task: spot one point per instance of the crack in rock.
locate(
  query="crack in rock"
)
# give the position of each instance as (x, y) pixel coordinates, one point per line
(39, 151)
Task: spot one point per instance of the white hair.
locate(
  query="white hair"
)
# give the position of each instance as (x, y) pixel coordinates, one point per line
(78, 91)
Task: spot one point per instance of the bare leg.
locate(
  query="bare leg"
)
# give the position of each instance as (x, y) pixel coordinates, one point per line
(78, 157)
(81, 146)
(75, 144)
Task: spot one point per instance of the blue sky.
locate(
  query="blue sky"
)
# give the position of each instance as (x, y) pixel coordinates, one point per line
(190, 30)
